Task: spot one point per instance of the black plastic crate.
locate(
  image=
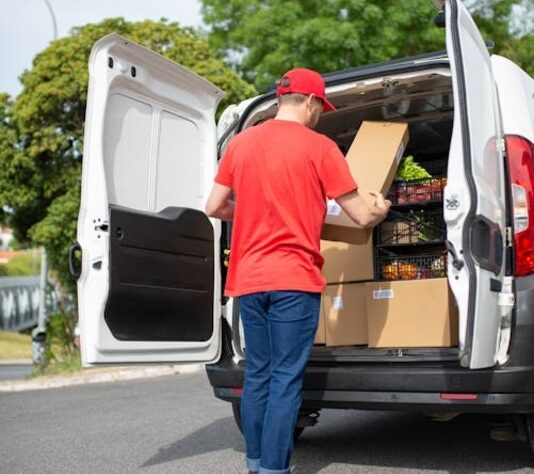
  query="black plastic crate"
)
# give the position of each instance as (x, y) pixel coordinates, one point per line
(436, 167)
(413, 227)
(419, 191)
(411, 267)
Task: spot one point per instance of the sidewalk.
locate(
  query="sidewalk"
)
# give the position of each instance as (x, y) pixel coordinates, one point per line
(96, 375)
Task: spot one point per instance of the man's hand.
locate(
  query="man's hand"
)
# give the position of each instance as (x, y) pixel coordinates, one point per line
(363, 213)
(380, 202)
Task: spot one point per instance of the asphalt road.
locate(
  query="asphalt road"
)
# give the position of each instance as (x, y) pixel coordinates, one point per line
(15, 371)
(175, 425)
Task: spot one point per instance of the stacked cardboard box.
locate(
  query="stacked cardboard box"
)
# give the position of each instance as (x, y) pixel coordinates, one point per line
(415, 313)
(345, 313)
(373, 159)
(354, 309)
(348, 250)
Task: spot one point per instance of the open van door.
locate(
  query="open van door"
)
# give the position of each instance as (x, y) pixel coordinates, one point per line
(149, 290)
(475, 196)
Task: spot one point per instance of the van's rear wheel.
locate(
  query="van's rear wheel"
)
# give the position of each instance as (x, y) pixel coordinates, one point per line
(236, 409)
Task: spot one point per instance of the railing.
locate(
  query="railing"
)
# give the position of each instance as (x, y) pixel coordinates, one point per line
(19, 302)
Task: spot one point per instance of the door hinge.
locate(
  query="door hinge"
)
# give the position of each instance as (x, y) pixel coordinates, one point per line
(509, 237)
(506, 302)
(500, 145)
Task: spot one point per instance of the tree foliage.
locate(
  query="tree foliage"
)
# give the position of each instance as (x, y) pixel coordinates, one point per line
(41, 131)
(263, 38)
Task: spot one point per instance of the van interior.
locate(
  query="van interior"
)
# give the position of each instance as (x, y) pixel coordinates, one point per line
(423, 99)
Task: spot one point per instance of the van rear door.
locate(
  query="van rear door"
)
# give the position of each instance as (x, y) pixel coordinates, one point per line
(475, 197)
(149, 290)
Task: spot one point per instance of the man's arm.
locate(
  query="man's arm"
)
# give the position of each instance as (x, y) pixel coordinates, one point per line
(219, 204)
(361, 212)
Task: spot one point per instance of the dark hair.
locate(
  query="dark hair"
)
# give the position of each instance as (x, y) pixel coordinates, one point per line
(295, 98)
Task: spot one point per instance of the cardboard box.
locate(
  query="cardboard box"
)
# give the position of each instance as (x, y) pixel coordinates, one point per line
(320, 335)
(345, 262)
(345, 314)
(414, 313)
(351, 235)
(373, 159)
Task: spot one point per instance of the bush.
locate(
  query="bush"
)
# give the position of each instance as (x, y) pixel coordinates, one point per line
(61, 353)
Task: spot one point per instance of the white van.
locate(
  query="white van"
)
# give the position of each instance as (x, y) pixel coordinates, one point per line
(150, 288)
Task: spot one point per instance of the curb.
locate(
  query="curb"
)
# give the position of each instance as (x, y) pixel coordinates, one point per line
(16, 362)
(98, 375)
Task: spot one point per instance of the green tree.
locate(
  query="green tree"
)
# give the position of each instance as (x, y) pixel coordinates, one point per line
(263, 38)
(41, 131)
(509, 25)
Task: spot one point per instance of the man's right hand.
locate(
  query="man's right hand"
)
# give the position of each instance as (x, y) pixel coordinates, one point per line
(363, 213)
(380, 202)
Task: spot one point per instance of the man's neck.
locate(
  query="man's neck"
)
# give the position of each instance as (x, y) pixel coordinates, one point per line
(290, 114)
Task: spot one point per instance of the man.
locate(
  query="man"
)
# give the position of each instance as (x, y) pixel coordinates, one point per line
(280, 174)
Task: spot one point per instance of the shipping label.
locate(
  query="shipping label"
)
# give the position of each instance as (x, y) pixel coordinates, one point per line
(383, 294)
(337, 303)
(333, 208)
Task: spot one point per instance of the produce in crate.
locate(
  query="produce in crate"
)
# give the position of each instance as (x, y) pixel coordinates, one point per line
(438, 267)
(408, 271)
(415, 184)
(409, 170)
(391, 271)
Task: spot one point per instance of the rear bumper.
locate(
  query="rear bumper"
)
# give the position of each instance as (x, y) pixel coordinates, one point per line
(503, 390)
(411, 401)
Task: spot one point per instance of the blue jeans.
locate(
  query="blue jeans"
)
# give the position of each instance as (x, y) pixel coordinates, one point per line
(279, 330)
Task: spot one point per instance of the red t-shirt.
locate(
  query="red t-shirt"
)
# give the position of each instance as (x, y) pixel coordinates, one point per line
(281, 173)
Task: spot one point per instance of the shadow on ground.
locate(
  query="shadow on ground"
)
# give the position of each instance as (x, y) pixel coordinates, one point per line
(219, 435)
(361, 440)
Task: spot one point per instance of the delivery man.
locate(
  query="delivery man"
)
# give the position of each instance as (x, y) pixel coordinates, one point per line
(273, 182)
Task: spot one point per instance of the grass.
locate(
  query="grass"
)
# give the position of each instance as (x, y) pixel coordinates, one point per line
(15, 346)
(67, 365)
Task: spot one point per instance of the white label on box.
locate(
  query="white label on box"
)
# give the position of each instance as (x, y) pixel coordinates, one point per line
(383, 294)
(338, 302)
(333, 208)
(400, 152)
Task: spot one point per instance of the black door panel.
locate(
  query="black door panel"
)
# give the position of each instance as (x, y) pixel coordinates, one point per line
(161, 275)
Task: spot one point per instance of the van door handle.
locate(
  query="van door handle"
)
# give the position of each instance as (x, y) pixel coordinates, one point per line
(73, 269)
(456, 262)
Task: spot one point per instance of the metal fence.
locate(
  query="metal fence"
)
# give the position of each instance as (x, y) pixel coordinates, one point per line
(19, 302)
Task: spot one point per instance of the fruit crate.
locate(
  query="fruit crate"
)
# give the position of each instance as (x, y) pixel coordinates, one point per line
(413, 227)
(411, 267)
(419, 191)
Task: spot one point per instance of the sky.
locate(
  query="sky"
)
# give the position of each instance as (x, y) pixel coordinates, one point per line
(26, 26)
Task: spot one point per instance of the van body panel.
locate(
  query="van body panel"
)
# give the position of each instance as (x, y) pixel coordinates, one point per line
(149, 290)
(516, 97)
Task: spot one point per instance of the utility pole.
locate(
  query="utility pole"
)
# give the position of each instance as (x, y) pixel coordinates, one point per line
(39, 333)
(54, 23)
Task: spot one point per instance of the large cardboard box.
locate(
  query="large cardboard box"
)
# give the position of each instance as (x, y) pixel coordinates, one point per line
(345, 262)
(414, 313)
(373, 159)
(320, 335)
(345, 314)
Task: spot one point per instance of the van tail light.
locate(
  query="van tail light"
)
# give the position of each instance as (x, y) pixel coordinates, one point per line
(520, 152)
(458, 396)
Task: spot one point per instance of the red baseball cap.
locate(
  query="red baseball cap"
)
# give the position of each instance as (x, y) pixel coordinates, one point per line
(304, 81)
